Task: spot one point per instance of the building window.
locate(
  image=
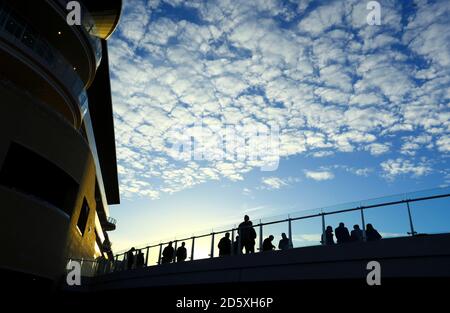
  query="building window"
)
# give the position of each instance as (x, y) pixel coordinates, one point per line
(83, 217)
(27, 172)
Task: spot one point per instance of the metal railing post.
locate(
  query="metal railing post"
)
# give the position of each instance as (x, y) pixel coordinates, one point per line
(146, 257)
(192, 249)
(291, 244)
(363, 224)
(105, 265)
(410, 219)
(239, 243)
(260, 236)
(232, 242)
(160, 253)
(116, 259)
(212, 245)
(324, 235)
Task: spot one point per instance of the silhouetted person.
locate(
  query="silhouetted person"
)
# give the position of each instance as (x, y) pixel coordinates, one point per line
(328, 240)
(130, 258)
(267, 244)
(342, 234)
(236, 246)
(247, 235)
(167, 255)
(284, 243)
(225, 245)
(371, 233)
(357, 234)
(140, 259)
(181, 253)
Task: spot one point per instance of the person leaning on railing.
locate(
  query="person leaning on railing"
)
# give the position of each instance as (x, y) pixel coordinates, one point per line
(329, 237)
(284, 243)
(267, 244)
(372, 234)
(356, 234)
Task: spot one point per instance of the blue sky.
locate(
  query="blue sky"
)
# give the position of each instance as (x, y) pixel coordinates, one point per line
(361, 111)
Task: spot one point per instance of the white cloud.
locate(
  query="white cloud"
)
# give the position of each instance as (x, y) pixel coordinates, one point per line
(378, 148)
(307, 237)
(412, 144)
(319, 175)
(331, 83)
(321, 154)
(273, 182)
(395, 167)
(443, 143)
(322, 18)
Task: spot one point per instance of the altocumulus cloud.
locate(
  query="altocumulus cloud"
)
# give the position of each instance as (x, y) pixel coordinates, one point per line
(319, 175)
(330, 82)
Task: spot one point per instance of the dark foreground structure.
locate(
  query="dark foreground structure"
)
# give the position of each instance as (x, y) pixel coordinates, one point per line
(302, 277)
(425, 256)
(416, 263)
(58, 170)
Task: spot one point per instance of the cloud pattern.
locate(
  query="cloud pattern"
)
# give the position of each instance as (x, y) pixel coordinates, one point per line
(315, 69)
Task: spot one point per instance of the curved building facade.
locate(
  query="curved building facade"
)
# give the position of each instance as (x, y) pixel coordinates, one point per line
(58, 171)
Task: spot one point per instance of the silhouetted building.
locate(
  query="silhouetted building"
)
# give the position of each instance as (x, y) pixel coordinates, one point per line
(58, 171)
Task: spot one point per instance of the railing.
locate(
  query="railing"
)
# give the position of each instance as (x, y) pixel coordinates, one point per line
(402, 215)
(16, 31)
(112, 220)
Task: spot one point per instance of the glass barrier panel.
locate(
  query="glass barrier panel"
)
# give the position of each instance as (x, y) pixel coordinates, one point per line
(120, 263)
(275, 230)
(306, 232)
(427, 193)
(88, 267)
(390, 221)
(202, 248)
(431, 216)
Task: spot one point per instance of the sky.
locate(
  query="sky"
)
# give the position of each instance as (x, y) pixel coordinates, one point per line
(226, 108)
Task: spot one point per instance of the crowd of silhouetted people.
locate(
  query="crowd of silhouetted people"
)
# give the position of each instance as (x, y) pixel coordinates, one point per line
(246, 240)
(344, 236)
